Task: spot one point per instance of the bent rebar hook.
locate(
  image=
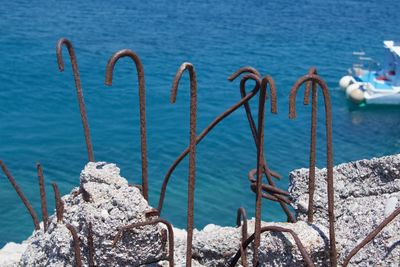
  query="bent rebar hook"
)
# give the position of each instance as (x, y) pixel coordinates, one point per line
(82, 109)
(142, 107)
(208, 129)
(192, 149)
(316, 80)
(268, 173)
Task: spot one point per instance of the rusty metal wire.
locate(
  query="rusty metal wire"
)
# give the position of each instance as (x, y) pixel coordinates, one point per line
(371, 236)
(316, 80)
(142, 106)
(90, 246)
(303, 252)
(242, 215)
(21, 195)
(75, 70)
(43, 201)
(208, 129)
(59, 203)
(192, 149)
(268, 173)
(75, 240)
(152, 222)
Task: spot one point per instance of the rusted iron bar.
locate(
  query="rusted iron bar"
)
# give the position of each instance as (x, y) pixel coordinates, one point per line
(371, 236)
(306, 99)
(90, 246)
(75, 70)
(142, 106)
(192, 149)
(307, 260)
(242, 215)
(21, 195)
(260, 163)
(328, 121)
(152, 222)
(43, 201)
(75, 240)
(271, 189)
(208, 129)
(59, 203)
(269, 196)
(268, 173)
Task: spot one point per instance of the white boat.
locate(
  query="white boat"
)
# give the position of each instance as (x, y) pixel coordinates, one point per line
(364, 85)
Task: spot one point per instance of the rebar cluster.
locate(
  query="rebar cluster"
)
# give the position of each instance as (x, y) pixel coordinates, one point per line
(262, 190)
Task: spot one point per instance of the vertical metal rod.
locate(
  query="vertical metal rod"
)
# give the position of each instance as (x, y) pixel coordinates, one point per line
(59, 203)
(311, 170)
(329, 151)
(260, 166)
(192, 149)
(90, 246)
(75, 70)
(203, 134)
(43, 200)
(75, 240)
(242, 215)
(21, 195)
(142, 106)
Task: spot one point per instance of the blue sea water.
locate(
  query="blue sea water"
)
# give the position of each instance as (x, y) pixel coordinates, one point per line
(39, 116)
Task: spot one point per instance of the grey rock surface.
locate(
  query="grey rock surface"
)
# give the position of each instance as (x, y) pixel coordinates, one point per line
(112, 204)
(366, 192)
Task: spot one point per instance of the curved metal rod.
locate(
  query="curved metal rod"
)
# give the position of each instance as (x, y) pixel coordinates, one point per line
(43, 201)
(192, 149)
(328, 123)
(75, 239)
(246, 69)
(152, 222)
(142, 105)
(268, 173)
(242, 215)
(21, 195)
(371, 236)
(306, 99)
(75, 70)
(59, 203)
(200, 137)
(304, 254)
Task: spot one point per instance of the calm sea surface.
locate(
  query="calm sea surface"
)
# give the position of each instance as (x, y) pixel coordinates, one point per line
(39, 117)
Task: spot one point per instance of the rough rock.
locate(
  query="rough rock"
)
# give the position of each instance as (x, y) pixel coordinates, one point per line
(112, 204)
(366, 192)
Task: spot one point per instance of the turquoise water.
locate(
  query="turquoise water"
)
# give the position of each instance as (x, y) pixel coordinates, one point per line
(39, 117)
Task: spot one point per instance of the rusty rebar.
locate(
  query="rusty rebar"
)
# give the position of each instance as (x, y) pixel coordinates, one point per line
(268, 173)
(208, 129)
(303, 251)
(43, 201)
(21, 195)
(242, 216)
(328, 123)
(371, 236)
(75, 70)
(152, 222)
(59, 203)
(306, 99)
(90, 246)
(260, 163)
(142, 107)
(192, 149)
(75, 240)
